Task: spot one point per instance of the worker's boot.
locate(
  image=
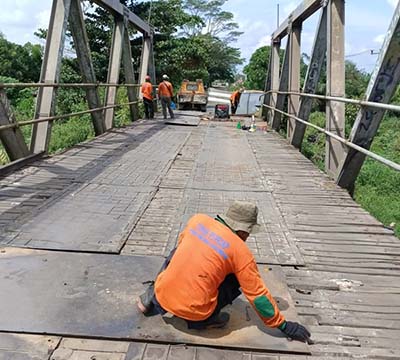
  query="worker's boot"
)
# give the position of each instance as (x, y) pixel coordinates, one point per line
(145, 301)
(214, 322)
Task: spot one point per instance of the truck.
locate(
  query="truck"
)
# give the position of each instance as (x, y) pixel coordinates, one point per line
(192, 95)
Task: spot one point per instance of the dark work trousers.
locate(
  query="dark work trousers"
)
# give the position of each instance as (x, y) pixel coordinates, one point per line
(148, 108)
(166, 103)
(234, 108)
(227, 292)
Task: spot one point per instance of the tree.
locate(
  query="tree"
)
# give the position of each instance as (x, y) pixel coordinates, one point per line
(256, 69)
(211, 20)
(20, 62)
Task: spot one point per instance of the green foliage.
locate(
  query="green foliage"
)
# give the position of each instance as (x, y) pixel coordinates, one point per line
(314, 141)
(256, 69)
(191, 39)
(378, 187)
(356, 81)
(200, 57)
(67, 133)
(3, 156)
(20, 62)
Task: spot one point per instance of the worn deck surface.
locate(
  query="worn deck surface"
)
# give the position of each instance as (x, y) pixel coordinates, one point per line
(105, 196)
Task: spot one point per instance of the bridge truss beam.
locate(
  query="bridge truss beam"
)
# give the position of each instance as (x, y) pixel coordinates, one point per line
(45, 104)
(70, 10)
(12, 139)
(329, 44)
(84, 58)
(283, 86)
(317, 61)
(381, 88)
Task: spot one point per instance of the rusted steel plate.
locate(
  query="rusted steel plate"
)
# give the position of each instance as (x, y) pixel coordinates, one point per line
(93, 295)
(185, 119)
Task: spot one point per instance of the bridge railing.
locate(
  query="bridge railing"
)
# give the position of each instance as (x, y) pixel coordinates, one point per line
(64, 13)
(347, 143)
(344, 158)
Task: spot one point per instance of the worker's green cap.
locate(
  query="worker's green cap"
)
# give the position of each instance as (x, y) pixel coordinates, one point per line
(242, 215)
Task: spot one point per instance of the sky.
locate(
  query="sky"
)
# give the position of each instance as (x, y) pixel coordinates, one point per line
(366, 24)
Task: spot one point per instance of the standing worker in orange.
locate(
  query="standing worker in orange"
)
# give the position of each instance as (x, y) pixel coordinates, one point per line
(147, 93)
(165, 94)
(235, 98)
(207, 268)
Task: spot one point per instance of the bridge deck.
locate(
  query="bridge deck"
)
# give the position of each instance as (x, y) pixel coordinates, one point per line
(130, 191)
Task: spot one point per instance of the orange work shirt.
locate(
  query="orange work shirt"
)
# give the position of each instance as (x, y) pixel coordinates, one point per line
(147, 90)
(207, 252)
(165, 89)
(235, 97)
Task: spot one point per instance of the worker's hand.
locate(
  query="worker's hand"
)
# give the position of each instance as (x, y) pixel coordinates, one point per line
(295, 331)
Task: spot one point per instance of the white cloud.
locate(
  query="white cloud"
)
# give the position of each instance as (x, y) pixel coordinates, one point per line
(393, 2)
(380, 38)
(19, 19)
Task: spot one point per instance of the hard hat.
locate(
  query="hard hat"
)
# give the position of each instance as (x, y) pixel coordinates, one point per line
(165, 76)
(147, 77)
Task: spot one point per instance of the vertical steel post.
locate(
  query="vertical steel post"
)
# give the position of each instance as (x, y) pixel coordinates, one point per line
(267, 88)
(275, 53)
(130, 75)
(283, 86)
(294, 76)
(381, 88)
(84, 58)
(335, 111)
(145, 59)
(273, 84)
(114, 70)
(50, 73)
(318, 56)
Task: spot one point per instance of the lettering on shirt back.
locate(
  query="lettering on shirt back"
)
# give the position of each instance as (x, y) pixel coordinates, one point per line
(216, 242)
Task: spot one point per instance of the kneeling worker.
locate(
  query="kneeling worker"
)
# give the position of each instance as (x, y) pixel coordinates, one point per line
(207, 268)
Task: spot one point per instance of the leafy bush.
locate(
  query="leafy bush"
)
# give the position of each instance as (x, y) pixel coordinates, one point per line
(66, 134)
(314, 141)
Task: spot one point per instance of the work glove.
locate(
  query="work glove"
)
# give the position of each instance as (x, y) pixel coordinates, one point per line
(295, 331)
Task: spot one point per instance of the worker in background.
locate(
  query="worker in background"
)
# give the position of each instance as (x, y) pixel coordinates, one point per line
(147, 93)
(235, 98)
(165, 94)
(207, 268)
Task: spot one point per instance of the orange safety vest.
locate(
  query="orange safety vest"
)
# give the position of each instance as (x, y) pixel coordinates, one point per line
(165, 89)
(207, 252)
(147, 90)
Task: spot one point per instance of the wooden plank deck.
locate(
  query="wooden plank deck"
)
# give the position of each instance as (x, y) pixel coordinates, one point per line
(341, 264)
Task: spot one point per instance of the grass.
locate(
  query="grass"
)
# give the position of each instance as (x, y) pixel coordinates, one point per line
(67, 132)
(378, 187)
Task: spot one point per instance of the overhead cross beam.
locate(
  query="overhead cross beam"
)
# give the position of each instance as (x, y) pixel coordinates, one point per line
(116, 8)
(301, 13)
